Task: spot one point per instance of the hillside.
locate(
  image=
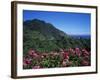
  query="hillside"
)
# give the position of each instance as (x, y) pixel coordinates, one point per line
(44, 37)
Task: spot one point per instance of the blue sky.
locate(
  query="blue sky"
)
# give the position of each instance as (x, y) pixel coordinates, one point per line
(70, 23)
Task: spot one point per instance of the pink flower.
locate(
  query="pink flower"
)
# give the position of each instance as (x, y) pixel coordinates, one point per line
(78, 52)
(32, 53)
(35, 55)
(72, 52)
(44, 55)
(64, 64)
(35, 67)
(26, 61)
(85, 63)
(85, 52)
(66, 55)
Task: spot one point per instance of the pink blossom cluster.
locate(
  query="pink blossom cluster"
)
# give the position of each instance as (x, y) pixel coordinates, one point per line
(72, 57)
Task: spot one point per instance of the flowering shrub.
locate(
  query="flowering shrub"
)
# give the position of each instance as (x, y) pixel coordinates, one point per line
(62, 58)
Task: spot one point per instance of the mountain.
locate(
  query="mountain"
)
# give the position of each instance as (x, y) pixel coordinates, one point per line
(44, 37)
(46, 29)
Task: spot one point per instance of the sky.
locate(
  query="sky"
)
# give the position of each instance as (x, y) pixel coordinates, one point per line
(69, 22)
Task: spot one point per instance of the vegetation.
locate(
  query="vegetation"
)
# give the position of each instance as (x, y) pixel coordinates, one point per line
(63, 58)
(43, 38)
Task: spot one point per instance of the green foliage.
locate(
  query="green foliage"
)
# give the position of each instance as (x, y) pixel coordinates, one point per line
(51, 62)
(44, 37)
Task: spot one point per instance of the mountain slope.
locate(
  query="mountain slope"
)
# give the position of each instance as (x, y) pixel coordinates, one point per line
(44, 37)
(46, 29)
